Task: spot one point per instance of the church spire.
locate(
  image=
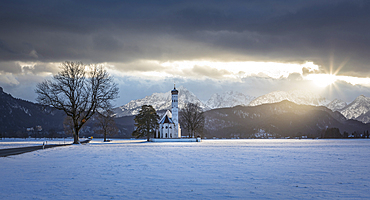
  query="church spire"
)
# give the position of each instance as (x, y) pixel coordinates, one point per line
(174, 91)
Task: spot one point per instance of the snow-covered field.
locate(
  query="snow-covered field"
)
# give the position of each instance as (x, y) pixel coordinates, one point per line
(20, 142)
(211, 169)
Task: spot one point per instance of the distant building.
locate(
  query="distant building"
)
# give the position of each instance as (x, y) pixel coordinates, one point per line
(38, 128)
(169, 126)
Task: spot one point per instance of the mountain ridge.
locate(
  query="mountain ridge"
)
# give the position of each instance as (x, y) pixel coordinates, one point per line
(359, 109)
(159, 101)
(228, 99)
(282, 119)
(336, 105)
(162, 101)
(295, 96)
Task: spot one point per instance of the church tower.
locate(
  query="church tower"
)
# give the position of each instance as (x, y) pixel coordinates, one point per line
(169, 126)
(175, 111)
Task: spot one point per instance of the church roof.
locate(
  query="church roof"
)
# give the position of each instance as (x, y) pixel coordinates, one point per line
(167, 118)
(174, 91)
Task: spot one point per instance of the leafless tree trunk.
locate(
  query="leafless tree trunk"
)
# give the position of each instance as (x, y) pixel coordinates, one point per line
(105, 124)
(68, 126)
(79, 91)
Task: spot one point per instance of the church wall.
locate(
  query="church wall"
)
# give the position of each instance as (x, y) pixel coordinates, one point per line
(164, 132)
(179, 131)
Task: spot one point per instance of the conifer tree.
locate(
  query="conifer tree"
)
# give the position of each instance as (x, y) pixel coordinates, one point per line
(146, 122)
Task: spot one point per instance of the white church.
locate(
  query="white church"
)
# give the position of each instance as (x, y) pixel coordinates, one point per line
(169, 126)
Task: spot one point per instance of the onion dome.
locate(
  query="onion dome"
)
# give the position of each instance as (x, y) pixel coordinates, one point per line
(174, 91)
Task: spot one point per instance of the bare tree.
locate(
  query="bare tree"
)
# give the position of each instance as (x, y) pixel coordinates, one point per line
(79, 91)
(192, 118)
(105, 124)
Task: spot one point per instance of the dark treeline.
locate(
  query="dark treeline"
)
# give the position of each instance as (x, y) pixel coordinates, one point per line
(55, 134)
(335, 133)
(88, 131)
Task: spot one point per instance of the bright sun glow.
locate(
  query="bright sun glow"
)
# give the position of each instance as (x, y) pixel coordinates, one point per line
(200, 69)
(322, 80)
(242, 69)
(235, 71)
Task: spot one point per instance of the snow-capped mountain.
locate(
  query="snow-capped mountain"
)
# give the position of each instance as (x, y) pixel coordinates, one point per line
(228, 99)
(336, 104)
(159, 101)
(359, 109)
(296, 96)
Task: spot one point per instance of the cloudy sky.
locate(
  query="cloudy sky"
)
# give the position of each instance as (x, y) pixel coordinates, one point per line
(253, 47)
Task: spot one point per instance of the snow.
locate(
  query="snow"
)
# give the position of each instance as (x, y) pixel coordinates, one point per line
(228, 99)
(211, 169)
(357, 109)
(297, 96)
(18, 142)
(175, 139)
(336, 104)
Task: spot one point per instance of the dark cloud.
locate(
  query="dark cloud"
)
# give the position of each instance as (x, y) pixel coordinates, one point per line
(117, 31)
(110, 31)
(331, 33)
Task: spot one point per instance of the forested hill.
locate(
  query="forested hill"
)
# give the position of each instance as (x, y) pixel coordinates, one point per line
(17, 115)
(281, 119)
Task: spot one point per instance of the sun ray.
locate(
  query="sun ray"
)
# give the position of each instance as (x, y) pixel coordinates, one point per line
(341, 65)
